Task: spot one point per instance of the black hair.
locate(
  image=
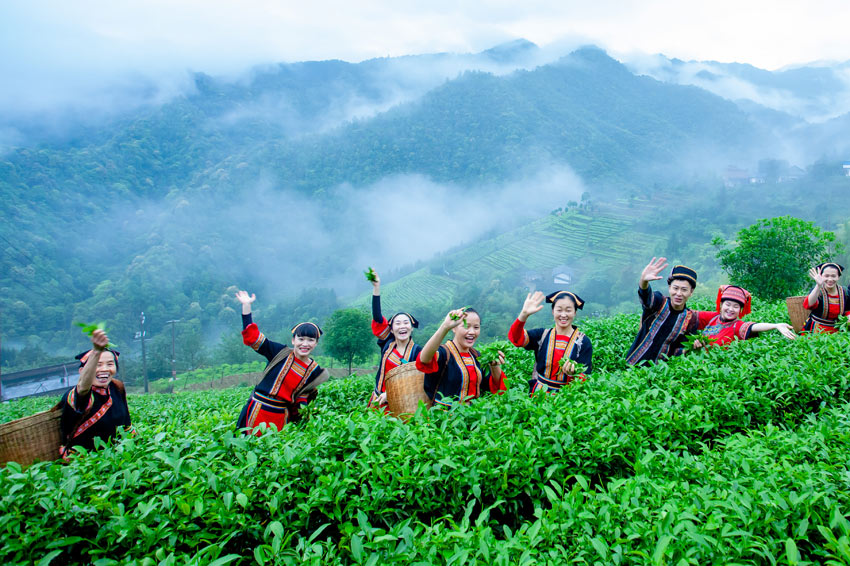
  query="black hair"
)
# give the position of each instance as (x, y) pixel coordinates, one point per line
(691, 283)
(473, 311)
(569, 296)
(307, 329)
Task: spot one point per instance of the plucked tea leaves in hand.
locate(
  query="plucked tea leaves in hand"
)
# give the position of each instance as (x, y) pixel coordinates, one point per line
(88, 329)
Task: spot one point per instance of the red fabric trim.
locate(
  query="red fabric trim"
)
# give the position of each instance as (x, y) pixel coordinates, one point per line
(250, 334)
(381, 329)
(705, 317)
(432, 367)
(517, 334)
(503, 384)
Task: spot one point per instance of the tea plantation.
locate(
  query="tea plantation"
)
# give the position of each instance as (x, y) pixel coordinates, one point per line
(736, 456)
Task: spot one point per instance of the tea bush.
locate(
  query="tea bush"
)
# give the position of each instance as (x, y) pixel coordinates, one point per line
(731, 455)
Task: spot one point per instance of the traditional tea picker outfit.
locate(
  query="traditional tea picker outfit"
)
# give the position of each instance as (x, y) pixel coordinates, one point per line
(97, 414)
(453, 374)
(725, 331)
(550, 348)
(391, 356)
(827, 308)
(287, 383)
(662, 328)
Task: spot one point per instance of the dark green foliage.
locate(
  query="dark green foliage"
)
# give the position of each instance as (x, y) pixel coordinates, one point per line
(733, 455)
(347, 336)
(772, 258)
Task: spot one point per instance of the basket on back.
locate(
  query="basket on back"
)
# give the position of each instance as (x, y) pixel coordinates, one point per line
(796, 312)
(405, 389)
(30, 439)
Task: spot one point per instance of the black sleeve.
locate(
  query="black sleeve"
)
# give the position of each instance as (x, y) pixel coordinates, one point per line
(376, 309)
(534, 337)
(585, 355)
(650, 300)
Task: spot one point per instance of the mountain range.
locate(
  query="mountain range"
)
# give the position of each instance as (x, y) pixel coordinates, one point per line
(296, 176)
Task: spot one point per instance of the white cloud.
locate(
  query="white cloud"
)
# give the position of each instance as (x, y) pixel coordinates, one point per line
(54, 51)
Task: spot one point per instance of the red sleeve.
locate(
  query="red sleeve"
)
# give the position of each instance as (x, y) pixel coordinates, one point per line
(432, 367)
(807, 306)
(517, 334)
(381, 329)
(744, 330)
(502, 387)
(705, 317)
(251, 336)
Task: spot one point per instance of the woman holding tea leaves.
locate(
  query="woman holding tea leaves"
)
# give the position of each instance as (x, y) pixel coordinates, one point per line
(452, 370)
(562, 353)
(97, 405)
(291, 377)
(827, 301)
(394, 339)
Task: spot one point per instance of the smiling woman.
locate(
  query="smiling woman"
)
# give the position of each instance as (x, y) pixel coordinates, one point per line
(97, 405)
(291, 377)
(560, 351)
(395, 340)
(452, 370)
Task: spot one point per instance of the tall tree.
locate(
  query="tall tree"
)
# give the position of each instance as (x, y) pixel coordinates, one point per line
(347, 336)
(772, 257)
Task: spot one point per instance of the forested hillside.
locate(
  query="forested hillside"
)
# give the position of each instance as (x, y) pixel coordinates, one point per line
(293, 179)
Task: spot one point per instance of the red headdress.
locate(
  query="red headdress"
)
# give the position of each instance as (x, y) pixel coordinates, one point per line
(737, 294)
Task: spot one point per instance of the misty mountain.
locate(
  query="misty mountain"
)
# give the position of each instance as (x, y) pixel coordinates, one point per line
(814, 92)
(296, 176)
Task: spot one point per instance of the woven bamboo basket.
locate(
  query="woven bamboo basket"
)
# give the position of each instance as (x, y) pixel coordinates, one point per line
(405, 389)
(796, 312)
(30, 439)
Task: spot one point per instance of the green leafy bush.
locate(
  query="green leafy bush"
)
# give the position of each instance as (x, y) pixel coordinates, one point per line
(733, 455)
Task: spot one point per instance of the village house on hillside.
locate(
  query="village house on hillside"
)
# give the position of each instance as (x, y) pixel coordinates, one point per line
(847, 168)
(562, 275)
(769, 170)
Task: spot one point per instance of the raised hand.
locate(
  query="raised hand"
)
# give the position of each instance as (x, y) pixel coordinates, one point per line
(533, 303)
(244, 298)
(99, 340)
(652, 272)
(453, 319)
(815, 274)
(375, 279)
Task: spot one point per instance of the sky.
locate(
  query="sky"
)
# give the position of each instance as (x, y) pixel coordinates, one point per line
(55, 50)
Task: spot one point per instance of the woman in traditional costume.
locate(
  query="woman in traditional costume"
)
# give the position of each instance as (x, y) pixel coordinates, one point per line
(556, 350)
(724, 325)
(452, 371)
(827, 301)
(394, 339)
(97, 406)
(291, 377)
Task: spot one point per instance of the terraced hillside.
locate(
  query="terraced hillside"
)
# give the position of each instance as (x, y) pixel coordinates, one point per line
(584, 241)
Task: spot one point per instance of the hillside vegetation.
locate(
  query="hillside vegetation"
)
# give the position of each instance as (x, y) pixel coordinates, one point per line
(272, 184)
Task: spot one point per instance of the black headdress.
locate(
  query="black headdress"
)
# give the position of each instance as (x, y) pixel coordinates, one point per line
(557, 295)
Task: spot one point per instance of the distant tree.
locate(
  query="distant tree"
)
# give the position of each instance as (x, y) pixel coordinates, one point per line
(348, 336)
(772, 257)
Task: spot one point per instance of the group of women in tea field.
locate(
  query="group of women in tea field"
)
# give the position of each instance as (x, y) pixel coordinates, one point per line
(453, 370)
